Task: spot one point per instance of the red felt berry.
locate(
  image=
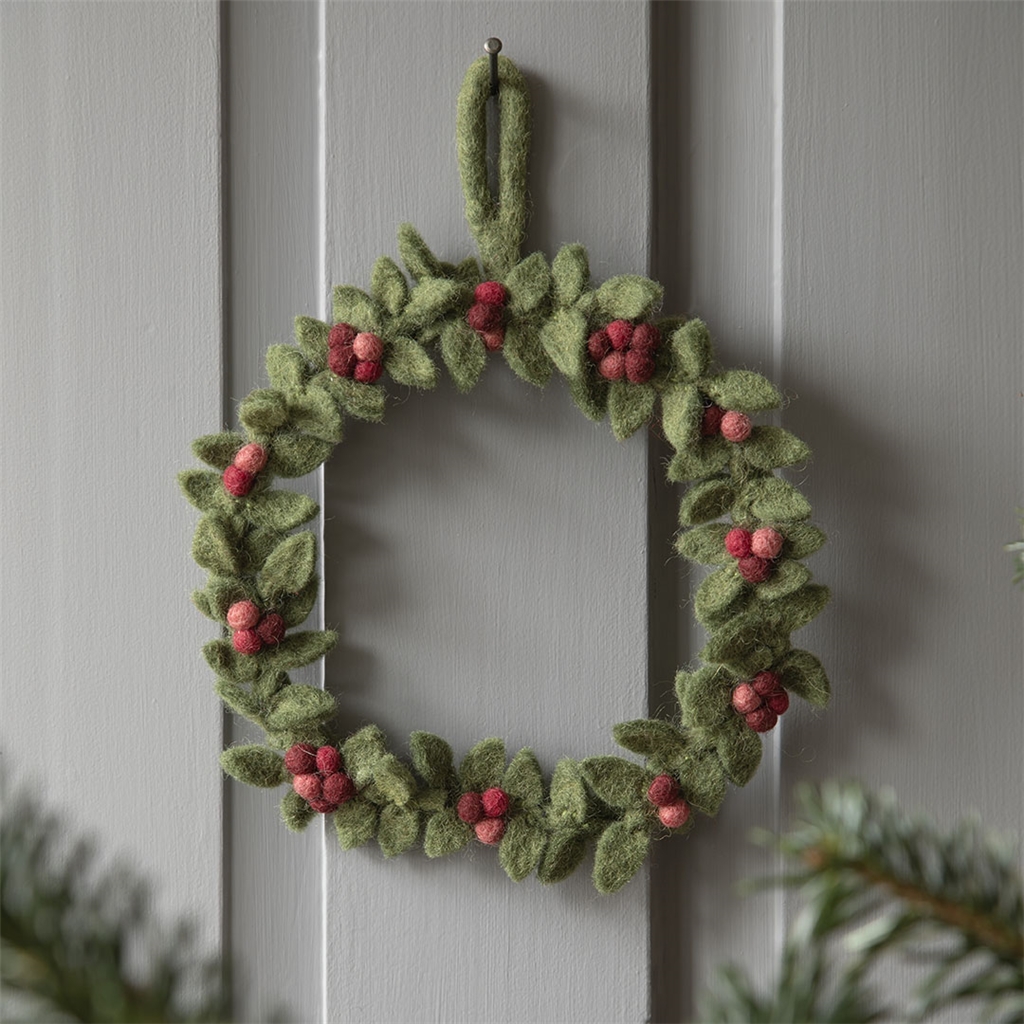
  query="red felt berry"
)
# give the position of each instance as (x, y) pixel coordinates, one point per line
(754, 569)
(777, 702)
(490, 830)
(328, 760)
(762, 720)
(613, 366)
(338, 788)
(765, 683)
(494, 802)
(766, 542)
(493, 340)
(243, 615)
(639, 367)
(620, 333)
(309, 787)
(484, 316)
(711, 421)
(663, 791)
(735, 426)
(646, 338)
(271, 628)
(237, 481)
(323, 806)
(491, 292)
(737, 542)
(341, 336)
(598, 345)
(745, 699)
(342, 360)
(251, 457)
(367, 373)
(300, 759)
(675, 815)
(368, 347)
(246, 641)
(470, 808)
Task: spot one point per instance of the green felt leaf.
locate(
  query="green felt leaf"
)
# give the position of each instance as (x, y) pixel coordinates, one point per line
(709, 456)
(280, 510)
(525, 355)
(570, 274)
(397, 829)
(254, 765)
(445, 834)
(297, 706)
(394, 780)
(355, 822)
(268, 684)
(717, 595)
(705, 544)
(619, 783)
(467, 272)
(590, 393)
(223, 591)
(787, 577)
(364, 401)
(620, 852)
(691, 349)
(528, 284)
(311, 336)
(286, 367)
(215, 546)
(742, 390)
(264, 410)
(431, 799)
(240, 700)
(747, 644)
(416, 254)
(628, 297)
(682, 407)
(295, 608)
(657, 740)
(353, 306)
(257, 546)
(289, 568)
(707, 500)
(798, 608)
(773, 448)
(361, 752)
(802, 540)
(388, 285)
(770, 500)
(293, 454)
(629, 407)
(430, 300)
(521, 848)
(228, 663)
(739, 750)
(432, 758)
(568, 796)
(295, 812)
(202, 601)
(484, 766)
(463, 353)
(203, 488)
(564, 338)
(804, 676)
(524, 780)
(564, 853)
(218, 450)
(298, 649)
(704, 696)
(406, 362)
(702, 780)
(314, 412)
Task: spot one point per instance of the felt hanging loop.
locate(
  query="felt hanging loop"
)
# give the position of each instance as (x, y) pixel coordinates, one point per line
(497, 225)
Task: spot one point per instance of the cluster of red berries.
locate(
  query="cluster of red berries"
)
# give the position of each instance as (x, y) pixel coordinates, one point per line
(351, 353)
(761, 701)
(487, 314)
(241, 474)
(733, 426)
(486, 813)
(252, 629)
(673, 810)
(755, 553)
(622, 350)
(319, 778)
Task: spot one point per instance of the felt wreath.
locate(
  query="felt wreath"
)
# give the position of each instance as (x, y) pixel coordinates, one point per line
(619, 360)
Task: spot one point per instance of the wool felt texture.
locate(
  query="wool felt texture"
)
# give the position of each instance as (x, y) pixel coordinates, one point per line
(623, 363)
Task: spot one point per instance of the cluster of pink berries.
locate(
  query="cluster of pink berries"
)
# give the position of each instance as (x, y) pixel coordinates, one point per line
(486, 813)
(755, 553)
(733, 426)
(319, 778)
(761, 701)
(351, 353)
(673, 810)
(487, 314)
(622, 350)
(252, 629)
(241, 474)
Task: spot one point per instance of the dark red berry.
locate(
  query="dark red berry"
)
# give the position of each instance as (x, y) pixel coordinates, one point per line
(342, 360)
(300, 759)
(367, 373)
(754, 569)
(484, 316)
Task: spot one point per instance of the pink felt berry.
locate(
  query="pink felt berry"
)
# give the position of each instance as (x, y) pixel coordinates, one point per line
(745, 699)
(663, 791)
(470, 809)
(243, 615)
(237, 481)
(639, 367)
(766, 543)
(620, 333)
(737, 542)
(735, 426)
(246, 641)
(778, 702)
(342, 360)
(271, 628)
(765, 683)
(762, 719)
(613, 366)
(483, 316)
(494, 802)
(367, 373)
(341, 336)
(754, 569)
(309, 787)
(251, 457)
(323, 806)
(675, 814)
(490, 830)
(338, 788)
(368, 347)
(493, 340)
(328, 760)
(300, 759)
(598, 345)
(646, 339)
(711, 421)
(491, 292)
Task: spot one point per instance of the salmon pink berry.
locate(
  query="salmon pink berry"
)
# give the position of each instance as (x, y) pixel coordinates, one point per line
(490, 830)
(355, 354)
(735, 426)
(675, 814)
(766, 543)
(243, 615)
(251, 457)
